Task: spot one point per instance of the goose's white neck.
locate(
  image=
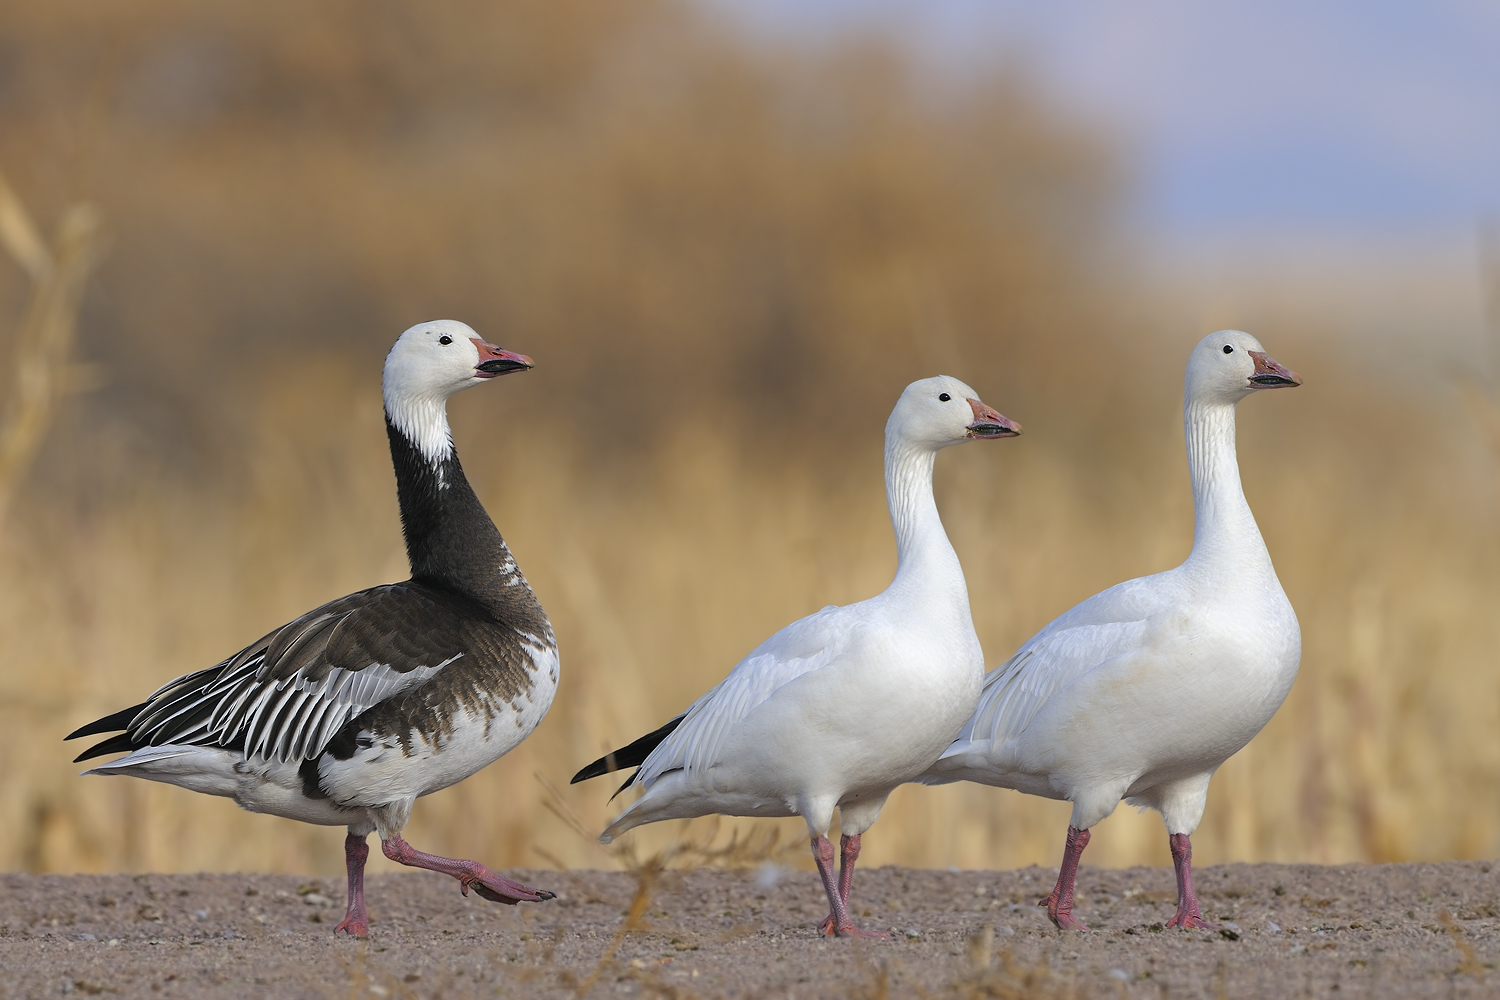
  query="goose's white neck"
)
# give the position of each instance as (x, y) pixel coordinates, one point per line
(924, 556)
(1224, 530)
(422, 418)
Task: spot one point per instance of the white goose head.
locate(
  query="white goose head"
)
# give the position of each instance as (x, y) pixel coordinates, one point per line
(429, 363)
(1227, 366)
(942, 411)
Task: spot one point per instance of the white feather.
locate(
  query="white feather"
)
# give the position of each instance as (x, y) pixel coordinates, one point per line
(838, 708)
(1142, 691)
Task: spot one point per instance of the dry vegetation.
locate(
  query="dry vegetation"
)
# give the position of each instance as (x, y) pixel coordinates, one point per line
(727, 262)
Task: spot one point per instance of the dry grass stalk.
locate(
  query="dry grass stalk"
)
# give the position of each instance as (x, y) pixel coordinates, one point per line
(1012, 980)
(1468, 962)
(988, 978)
(44, 339)
(691, 849)
(635, 920)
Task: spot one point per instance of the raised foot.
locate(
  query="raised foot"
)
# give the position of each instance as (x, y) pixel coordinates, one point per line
(1189, 921)
(470, 874)
(354, 926)
(499, 889)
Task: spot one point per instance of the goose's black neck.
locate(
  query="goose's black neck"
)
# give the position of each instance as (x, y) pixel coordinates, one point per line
(450, 540)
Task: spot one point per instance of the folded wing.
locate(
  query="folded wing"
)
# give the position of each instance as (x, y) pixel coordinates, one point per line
(697, 742)
(1051, 661)
(284, 697)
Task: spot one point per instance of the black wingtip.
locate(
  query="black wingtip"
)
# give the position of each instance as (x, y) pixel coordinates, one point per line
(119, 743)
(603, 765)
(109, 724)
(627, 783)
(631, 756)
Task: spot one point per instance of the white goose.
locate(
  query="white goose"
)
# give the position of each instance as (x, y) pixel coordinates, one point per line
(1142, 691)
(839, 708)
(350, 713)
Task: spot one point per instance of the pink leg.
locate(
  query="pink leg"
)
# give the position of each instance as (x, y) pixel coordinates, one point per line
(1060, 903)
(837, 887)
(355, 923)
(1187, 914)
(470, 874)
(848, 855)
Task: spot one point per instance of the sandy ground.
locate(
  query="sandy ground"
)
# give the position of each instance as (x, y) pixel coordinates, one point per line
(1289, 931)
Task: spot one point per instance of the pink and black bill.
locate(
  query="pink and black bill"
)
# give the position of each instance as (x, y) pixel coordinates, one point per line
(495, 361)
(1270, 375)
(990, 423)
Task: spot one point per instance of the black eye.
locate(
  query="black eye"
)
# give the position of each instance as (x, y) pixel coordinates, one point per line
(1228, 349)
(944, 397)
(445, 340)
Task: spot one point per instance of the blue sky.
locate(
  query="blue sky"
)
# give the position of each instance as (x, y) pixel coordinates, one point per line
(1373, 120)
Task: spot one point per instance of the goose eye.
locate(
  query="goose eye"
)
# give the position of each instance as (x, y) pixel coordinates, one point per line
(944, 397)
(445, 340)
(1228, 349)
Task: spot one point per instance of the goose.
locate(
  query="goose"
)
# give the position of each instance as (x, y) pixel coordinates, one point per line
(347, 715)
(1143, 690)
(837, 709)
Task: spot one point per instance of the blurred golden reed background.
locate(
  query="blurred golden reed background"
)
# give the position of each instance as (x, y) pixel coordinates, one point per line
(727, 259)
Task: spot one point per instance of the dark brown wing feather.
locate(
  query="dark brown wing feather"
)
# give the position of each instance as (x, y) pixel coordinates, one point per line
(285, 696)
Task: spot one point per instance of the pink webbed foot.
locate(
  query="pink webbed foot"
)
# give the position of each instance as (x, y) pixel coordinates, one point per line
(828, 929)
(498, 888)
(354, 924)
(1062, 916)
(1189, 920)
(470, 874)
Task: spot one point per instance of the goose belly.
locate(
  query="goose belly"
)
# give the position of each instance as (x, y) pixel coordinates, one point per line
(1154, 721)
(391, 767)
(857, 734)
(263, 786)
(277, 789)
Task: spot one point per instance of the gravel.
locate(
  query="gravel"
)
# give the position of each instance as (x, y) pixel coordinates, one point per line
(1286, 930)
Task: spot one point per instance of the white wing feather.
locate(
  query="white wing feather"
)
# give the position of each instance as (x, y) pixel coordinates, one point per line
(1016, 691)
(1108, 625)
(802, 647)
(287, 719)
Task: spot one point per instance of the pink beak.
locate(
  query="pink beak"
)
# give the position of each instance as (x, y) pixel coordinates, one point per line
(989, 423)
(495, 361)
(1268, 374)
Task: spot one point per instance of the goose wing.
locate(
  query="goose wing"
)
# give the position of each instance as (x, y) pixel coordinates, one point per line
(696, 742)
(1016, 691)
(1113, 623)
(285, 696)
